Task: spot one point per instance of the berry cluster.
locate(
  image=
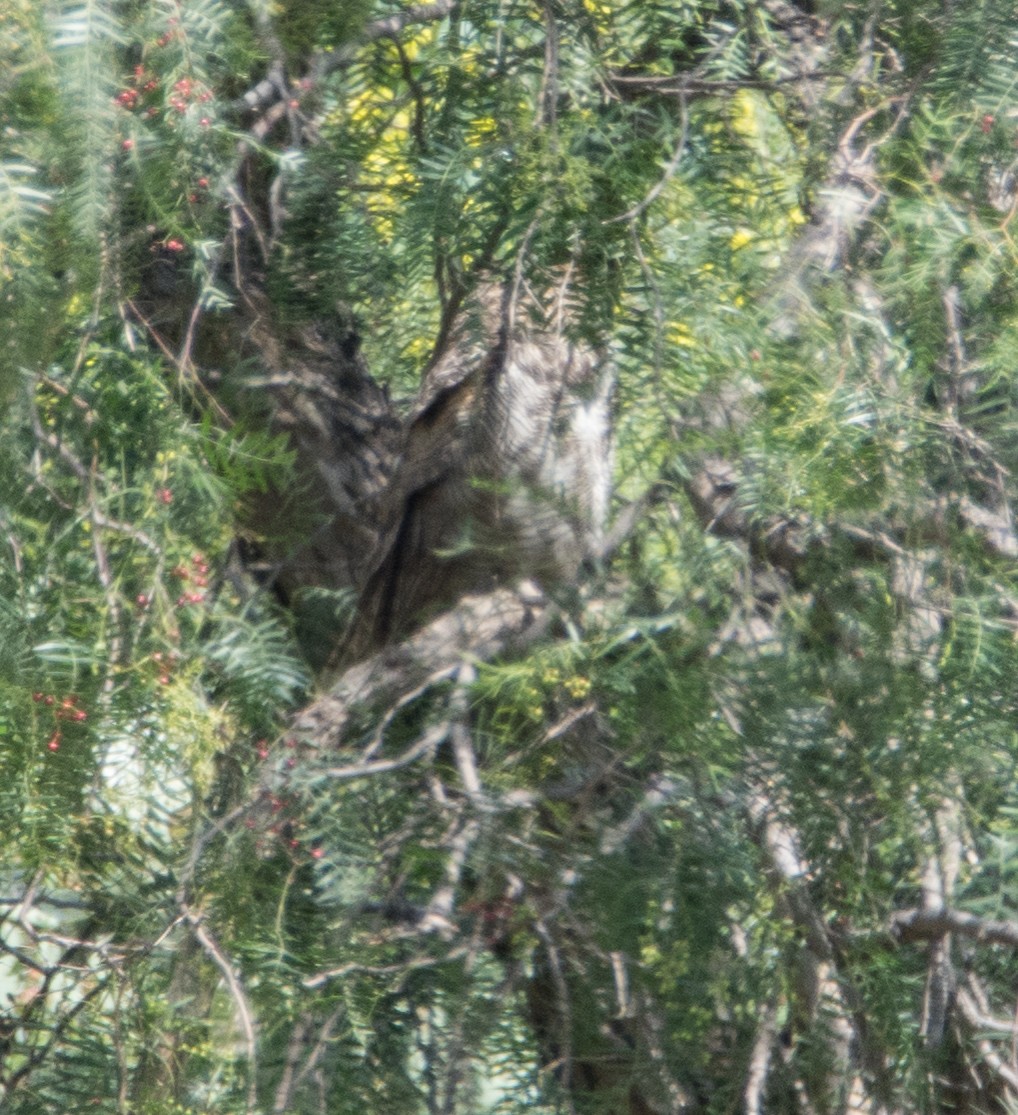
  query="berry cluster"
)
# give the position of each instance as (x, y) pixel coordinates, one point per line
(165, 663)
(152, 94)
(66, 708)
(197, 575)
(142, 88)
(284, 826)
(184, 93)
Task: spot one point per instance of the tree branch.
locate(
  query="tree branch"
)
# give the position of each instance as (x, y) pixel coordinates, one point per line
(268, 93)
(909, 926)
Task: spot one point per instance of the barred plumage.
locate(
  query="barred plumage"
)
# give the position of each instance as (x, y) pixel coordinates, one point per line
(505, 471)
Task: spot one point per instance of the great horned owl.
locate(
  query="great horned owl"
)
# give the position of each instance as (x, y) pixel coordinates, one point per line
(505, 471)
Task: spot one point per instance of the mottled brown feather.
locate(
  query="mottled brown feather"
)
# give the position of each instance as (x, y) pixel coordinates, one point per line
(505, 470)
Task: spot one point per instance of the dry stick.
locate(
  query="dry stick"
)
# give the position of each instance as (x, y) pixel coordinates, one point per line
(564, 1011)
(56, 1033)
(294, 1049)
(266, 92)
(355, 968)
(981, 1000)
(548, 93)
(928, 925)
(652, 1027)
(671, 85)
(212, 949)
(670, 168)
(437, 918)
(939, 877)
(426, 745)
(986, 1021)
(88, 478)
(974, 1017)
(404, 700)
(174, 359)
(202, 841)
(291, 1081)
(459, 733)
(781, 845)
(760, 1062)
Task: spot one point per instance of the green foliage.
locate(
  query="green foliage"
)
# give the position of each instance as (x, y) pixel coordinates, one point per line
(828, 649)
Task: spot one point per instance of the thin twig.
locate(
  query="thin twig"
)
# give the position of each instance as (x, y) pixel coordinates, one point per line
(670, 168)
(424, 746)
(216, 955)
(356, 968)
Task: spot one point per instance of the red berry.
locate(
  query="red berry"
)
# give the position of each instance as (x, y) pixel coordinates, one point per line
(54, 742)
(986, 123)
(316, 853)
(172, 245)
(204, 183)
(37, 697)
(141, 600)
(128, 144)
(164, 495)
(47, 700)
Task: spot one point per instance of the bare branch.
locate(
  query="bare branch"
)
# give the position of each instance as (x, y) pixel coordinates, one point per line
(976, 1020)
(268, 92)
(930, 925)
(478, 629)
(355, 968)
(760, 1062)
(424, 746)
(221, 961)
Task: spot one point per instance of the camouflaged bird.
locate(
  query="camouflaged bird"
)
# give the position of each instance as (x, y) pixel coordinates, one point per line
(505, 471)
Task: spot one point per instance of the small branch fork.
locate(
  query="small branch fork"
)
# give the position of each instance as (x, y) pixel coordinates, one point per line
(88, 966)
(270, 94)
